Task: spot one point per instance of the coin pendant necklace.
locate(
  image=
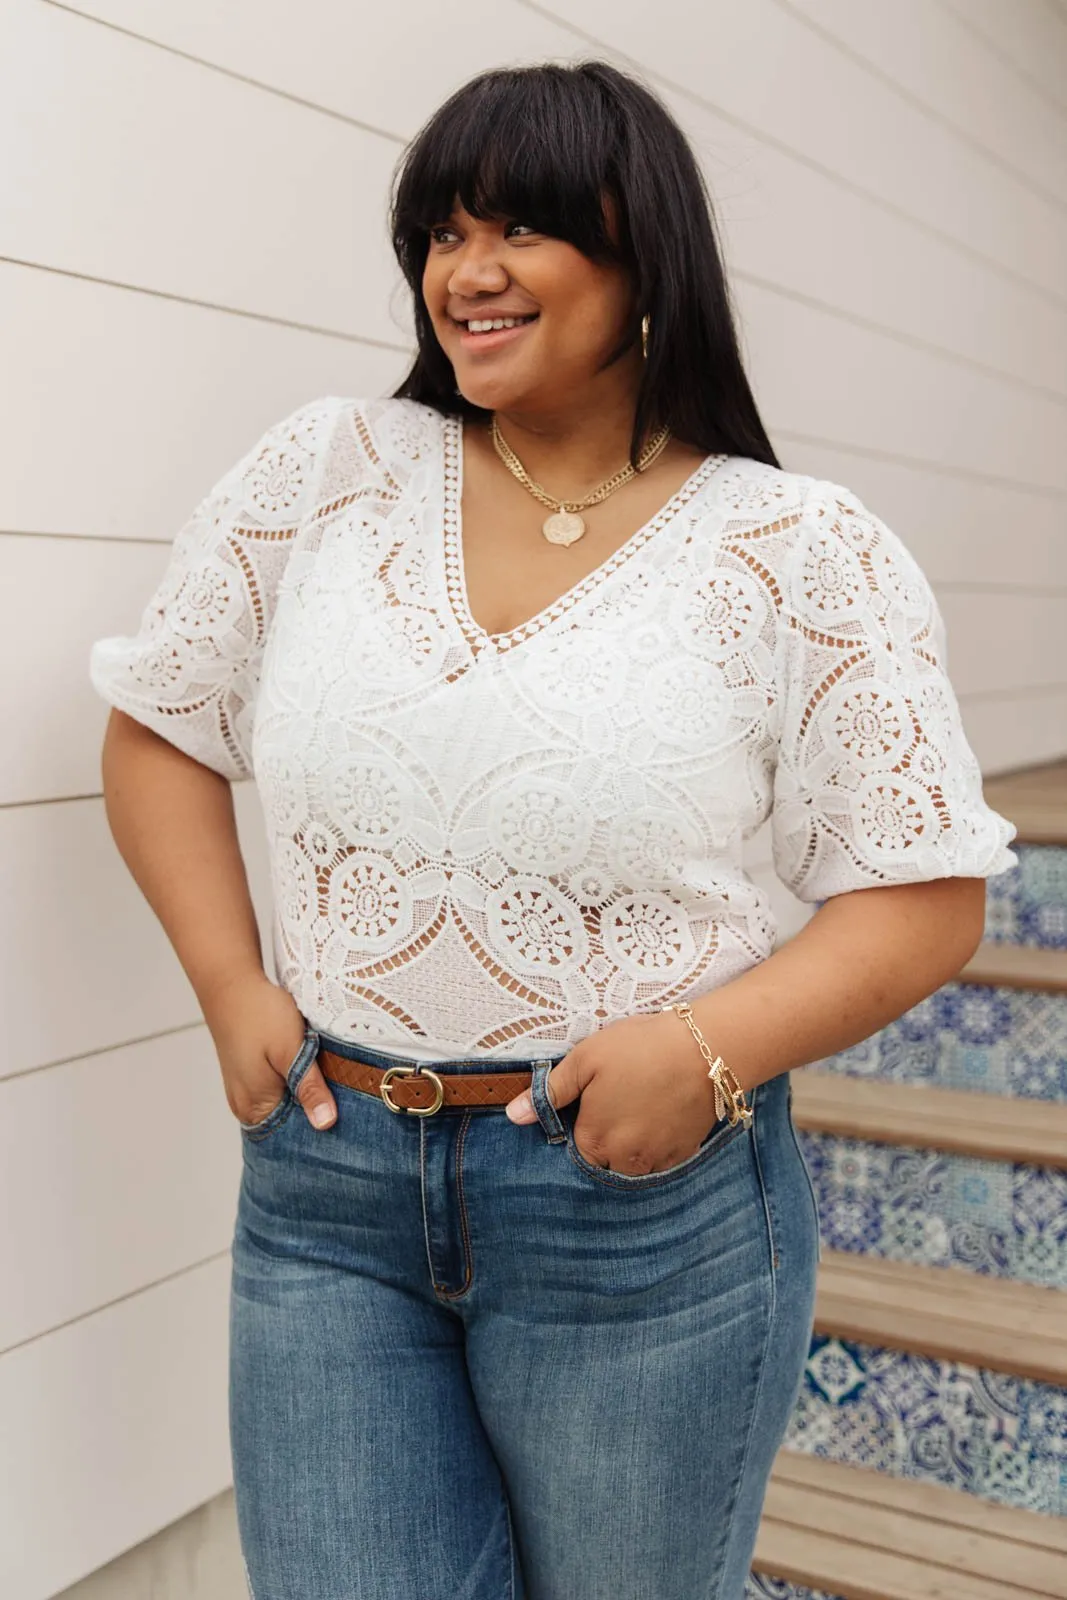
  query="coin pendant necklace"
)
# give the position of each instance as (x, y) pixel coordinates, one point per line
(566, 525)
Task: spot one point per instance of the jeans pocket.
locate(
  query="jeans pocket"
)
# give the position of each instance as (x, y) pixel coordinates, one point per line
(721, 1135)
(294, 1073)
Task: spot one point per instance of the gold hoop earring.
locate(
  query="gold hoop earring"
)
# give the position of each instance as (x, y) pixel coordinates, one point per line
(645, 324)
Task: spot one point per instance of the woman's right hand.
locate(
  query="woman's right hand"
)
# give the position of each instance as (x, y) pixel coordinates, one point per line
(258, 1030)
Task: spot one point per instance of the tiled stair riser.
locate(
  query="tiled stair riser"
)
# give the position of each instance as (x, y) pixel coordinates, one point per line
(990, 1434)
(1001, 1437)
(1029, 904)
(971, 1036)
(938, 1210)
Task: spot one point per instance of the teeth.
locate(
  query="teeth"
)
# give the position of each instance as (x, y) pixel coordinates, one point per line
(489, 326)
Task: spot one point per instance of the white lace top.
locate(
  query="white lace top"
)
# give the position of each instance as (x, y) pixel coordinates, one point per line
(492, 845)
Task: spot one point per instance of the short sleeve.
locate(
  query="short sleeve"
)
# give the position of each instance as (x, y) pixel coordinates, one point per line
(875, 781)
(191, 671)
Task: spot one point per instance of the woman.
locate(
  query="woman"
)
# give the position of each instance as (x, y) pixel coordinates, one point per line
(525, 1255)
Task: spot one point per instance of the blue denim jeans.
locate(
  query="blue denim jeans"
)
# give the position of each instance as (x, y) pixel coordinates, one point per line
(465, 1364)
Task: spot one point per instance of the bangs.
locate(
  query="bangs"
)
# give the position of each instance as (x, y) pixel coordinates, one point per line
(516, 146)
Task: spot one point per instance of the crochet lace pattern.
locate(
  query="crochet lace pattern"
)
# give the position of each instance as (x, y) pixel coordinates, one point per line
(493, 844)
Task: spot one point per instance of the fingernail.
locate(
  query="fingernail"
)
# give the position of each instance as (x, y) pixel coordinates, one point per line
(519, 1110)
(322, 1114)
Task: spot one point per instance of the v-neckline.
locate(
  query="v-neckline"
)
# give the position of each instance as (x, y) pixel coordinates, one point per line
(478, 637)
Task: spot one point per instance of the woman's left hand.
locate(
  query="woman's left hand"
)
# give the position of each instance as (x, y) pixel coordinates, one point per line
(646, 1100)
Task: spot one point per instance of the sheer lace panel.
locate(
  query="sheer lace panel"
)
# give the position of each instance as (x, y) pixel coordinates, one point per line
(191, 673)
(875, 782)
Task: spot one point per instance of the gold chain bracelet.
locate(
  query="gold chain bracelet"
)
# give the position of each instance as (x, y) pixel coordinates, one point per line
(730, 1099)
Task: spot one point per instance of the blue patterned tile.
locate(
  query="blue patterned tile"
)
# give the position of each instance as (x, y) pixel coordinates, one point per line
(990, 1434)
(1029, 904)
(975, 1015)
(760, 1587)
(971, 1036)
(938, 1210)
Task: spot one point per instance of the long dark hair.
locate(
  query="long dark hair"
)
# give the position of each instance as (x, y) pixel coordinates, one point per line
(544, 145)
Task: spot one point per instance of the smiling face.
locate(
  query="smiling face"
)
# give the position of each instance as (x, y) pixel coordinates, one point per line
(569, 312)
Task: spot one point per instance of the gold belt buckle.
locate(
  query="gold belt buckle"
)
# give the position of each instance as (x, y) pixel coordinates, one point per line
(408, 1072)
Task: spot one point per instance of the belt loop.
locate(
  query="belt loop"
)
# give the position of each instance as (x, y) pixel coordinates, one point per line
(547, 1115)
(306, 1058)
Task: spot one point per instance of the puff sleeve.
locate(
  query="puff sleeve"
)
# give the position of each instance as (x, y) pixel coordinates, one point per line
(191, 670)
(875, 782)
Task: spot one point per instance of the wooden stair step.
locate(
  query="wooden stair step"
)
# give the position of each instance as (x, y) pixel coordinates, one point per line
(1035, 799)
(944, 1312)
(1017, 966)
(934, 1500)
(865, 1535)
(923, 1117)
(1037, 821)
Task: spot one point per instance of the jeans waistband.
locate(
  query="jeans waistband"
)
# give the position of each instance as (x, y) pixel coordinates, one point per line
(382, 1058)
(774, 1093)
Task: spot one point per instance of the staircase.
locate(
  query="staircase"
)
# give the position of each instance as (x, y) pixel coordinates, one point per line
(927, 1455)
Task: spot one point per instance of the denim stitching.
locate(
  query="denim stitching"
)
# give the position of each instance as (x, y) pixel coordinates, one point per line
(771, 1319)
(468, 1264)
(804, 1167)
(768, 1204)
(511, 1550)
(422, 1188)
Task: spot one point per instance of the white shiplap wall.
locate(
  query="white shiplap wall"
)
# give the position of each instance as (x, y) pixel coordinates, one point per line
(192, 242)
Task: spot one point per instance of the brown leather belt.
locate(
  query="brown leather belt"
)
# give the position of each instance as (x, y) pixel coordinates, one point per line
(421, 1091)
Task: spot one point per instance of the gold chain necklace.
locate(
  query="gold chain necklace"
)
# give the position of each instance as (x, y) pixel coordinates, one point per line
(565, 526)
